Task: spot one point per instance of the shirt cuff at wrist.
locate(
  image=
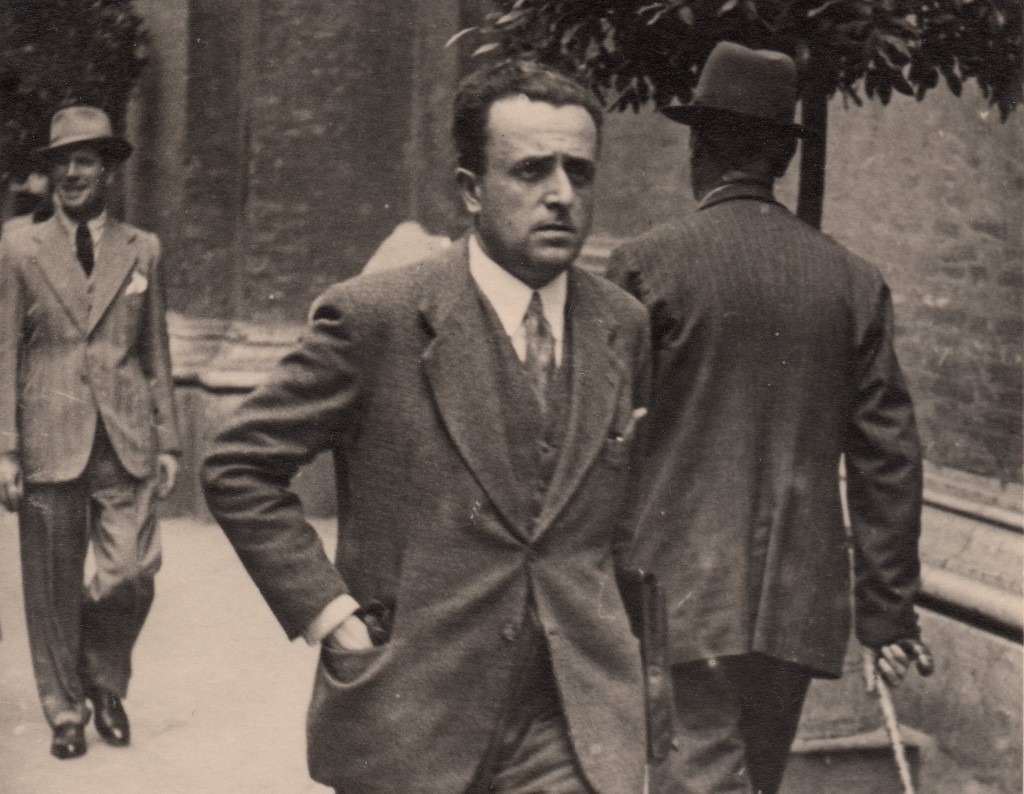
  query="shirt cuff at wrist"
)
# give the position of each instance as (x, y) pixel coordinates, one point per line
(331, 616)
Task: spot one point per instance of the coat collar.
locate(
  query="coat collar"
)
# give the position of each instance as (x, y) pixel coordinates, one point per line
(737, 190)
(56, 258)
(458, 368)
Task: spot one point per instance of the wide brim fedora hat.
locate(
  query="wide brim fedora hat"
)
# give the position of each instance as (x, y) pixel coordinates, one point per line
(84, 125)
(743, 85)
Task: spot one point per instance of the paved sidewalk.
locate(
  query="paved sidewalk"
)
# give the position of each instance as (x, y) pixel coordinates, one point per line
(218, 698)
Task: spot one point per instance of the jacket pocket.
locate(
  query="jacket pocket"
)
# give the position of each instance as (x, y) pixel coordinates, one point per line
(342, 667)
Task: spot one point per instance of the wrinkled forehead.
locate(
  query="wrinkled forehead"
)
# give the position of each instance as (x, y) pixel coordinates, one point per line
(518, 127)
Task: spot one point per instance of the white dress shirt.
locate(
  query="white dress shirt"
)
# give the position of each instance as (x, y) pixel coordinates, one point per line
(96, 226)
(510, 297)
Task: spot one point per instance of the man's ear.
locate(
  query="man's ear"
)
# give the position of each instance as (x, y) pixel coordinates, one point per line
(469, 189)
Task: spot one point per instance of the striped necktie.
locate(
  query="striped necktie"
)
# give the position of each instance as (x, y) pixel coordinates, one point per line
(540, 349)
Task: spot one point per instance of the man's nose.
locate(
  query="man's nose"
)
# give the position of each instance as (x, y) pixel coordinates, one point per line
(560, 187)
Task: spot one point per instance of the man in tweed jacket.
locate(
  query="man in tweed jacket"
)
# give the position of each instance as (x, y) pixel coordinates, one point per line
(480, 407)
(773, 351)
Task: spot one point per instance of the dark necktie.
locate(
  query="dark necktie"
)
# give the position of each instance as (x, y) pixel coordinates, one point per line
(540, 349)
(83, 248)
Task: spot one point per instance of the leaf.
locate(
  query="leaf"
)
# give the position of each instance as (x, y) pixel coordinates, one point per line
(952, 78)
(727, 6)
(506, 20)
(823, 8)
(483, 49)
(686, 14)
(896, 43)
(899, 82)
(459, 36)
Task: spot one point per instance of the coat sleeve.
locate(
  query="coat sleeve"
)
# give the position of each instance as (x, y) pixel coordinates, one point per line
(158, 360)
(625, 525)
(309, 404)
(634, 267)
(884, 487)
(11, 306)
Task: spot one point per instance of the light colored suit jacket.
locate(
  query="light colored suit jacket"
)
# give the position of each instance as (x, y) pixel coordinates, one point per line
(74, 349)
(774, 356)
(394, 377)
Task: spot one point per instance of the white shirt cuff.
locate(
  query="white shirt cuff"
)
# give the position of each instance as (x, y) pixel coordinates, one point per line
(331, 616)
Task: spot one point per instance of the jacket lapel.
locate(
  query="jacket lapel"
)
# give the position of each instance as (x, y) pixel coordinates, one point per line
(597, 371)
(116, 259)
(459, 370)
(56, 259)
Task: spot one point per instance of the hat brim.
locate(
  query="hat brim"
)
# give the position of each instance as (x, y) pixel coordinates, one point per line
(702, 114)
(117, 149)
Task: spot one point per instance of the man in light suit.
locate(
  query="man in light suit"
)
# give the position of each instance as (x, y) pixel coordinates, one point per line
(480, 408)
(88, 433)
(774, 357)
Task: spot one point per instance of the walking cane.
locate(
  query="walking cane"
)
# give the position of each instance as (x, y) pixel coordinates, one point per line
(875, 682)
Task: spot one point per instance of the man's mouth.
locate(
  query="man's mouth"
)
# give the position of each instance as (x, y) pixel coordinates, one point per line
(560, 228)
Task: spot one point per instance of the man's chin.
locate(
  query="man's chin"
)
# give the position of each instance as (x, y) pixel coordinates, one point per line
(559, 254)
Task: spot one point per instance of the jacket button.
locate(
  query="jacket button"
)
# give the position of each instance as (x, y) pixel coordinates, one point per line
(509, 632)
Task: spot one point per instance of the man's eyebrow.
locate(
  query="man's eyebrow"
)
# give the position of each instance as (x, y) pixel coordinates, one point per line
(535, 159)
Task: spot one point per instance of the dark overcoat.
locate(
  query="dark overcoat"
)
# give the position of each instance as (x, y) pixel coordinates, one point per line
(393, 376)
(774, 356)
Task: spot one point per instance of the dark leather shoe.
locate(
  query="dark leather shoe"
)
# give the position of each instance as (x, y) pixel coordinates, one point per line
(68, 741)
(111, 720)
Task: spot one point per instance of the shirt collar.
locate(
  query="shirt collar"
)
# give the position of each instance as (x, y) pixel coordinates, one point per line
(96, 225)
(510, 297)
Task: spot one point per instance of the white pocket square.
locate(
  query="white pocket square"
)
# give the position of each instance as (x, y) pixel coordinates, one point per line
(137, 285)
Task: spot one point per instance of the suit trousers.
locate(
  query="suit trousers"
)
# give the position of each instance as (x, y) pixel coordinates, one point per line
(531, 751)
(736, 717)
(81, 635)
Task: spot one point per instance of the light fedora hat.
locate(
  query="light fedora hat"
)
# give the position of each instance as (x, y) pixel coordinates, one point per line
(745, 85)
(81, 125)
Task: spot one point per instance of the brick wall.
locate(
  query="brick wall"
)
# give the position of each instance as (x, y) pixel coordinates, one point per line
(329, 120)
(934, 193)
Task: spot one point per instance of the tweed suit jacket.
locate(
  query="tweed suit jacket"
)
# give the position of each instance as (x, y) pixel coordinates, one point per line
(774, 356)
(74, 349)
(393, 376)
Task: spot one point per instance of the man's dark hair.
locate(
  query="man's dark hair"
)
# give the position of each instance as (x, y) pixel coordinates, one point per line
(481, 89)
(747, 143)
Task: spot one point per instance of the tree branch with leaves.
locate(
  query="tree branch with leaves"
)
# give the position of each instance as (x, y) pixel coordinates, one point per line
(640, 52)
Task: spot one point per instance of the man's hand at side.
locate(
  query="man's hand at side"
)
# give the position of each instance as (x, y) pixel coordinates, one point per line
(167, 474)
(894, 660)
(351, 635)
(10, 481)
